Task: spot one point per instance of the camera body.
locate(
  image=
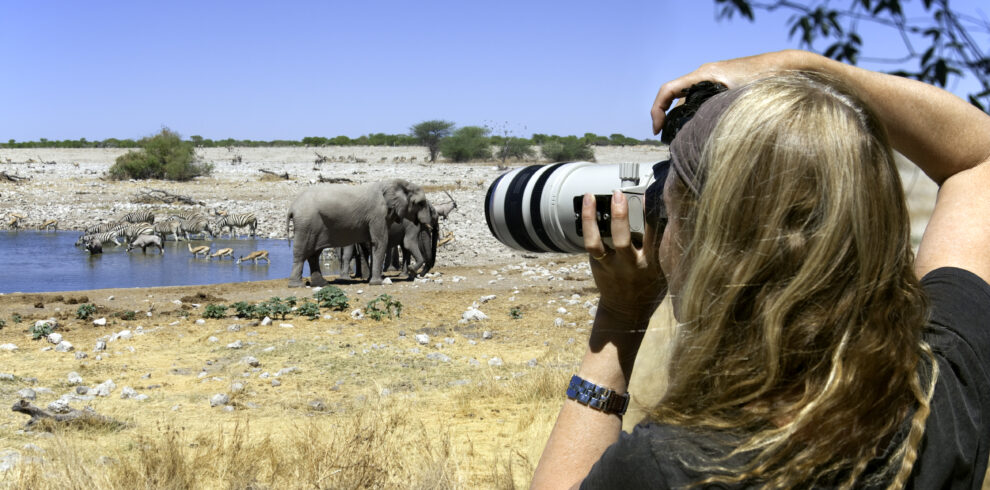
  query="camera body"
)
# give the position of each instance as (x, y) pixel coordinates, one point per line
(538, 208)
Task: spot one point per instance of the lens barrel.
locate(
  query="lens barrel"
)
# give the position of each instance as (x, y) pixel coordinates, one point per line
(532, 208)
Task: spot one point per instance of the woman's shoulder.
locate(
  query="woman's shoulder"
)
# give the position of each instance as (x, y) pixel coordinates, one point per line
(960, 310)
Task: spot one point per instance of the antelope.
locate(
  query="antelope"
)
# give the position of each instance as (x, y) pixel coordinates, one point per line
(446, 208)
(223, 252)
(50, 224)
(202, 249)
(14, 223)
(255, 256)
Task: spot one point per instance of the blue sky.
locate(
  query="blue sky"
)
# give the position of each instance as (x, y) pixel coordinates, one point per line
(285, 70)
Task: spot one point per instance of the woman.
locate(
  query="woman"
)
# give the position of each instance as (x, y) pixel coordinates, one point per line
(813, 348)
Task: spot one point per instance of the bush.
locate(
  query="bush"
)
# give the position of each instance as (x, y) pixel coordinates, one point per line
(381, 306)
(85, 311)
(41, 330)
(127, 315)
(215, 311)
(466, 144)
(517, 148)
(567, 149)
(16, 317)
(3, 323)
(244, 310)
(332, 297)
(515, 313)
(309, 309)
(273, 307)
(163, 156)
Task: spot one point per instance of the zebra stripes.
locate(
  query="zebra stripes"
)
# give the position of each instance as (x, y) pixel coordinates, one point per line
(144, 216)
(101, 238)
(133, 231)
(196, 226)
(233, 221)
(170, 226)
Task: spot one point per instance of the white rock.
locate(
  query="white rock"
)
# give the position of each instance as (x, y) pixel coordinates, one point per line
(99, 322)
(485, 299)
(422, 339)
(75, 379)
(122, 335)
(201, 322)
(593, 311)
(266, 321)
(285, 325)
(237, 387)
(251, 361)
(100, 346)
(357, 314)
(64, 346)
(8, 347)
(562, 310)
(558, 322)
(386, 281)
(127, 392)
(486, 335)
(474, 314)
(59, 406)
(55, 337)
(219, 399)
(103, 389)
(495, 362)
(212, 339)
(237, 344)
(142, 397)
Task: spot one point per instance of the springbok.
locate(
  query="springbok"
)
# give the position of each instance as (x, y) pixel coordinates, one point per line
(50, 224)
(255, 256)
(223, 252)
(202, 249)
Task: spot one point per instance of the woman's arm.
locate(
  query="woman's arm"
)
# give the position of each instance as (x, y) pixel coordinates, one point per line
(631, 287)
(945, 136)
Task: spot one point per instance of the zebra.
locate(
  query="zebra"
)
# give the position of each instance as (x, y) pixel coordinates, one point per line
(101, 238)
(170, 226)
(145, 216)
(196, 226)
(133, 231)
(186, 215)
(233, 221)
(102, 227)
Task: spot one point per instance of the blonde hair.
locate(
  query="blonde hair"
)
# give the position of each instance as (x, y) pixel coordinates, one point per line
(801, 314)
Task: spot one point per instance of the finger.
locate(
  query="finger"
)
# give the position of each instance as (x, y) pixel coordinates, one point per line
(669, 92)
(589, 227)
(620, 222)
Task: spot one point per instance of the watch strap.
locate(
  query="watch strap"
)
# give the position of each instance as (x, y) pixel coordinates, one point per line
(597, 397)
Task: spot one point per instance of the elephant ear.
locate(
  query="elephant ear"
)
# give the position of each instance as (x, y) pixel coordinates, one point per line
(396, 196)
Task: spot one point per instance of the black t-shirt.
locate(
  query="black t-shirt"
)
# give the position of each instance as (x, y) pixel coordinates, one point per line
(954, 450)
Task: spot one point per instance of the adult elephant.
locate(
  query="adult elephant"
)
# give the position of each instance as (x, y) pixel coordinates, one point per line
(417, 242)
(335, 215)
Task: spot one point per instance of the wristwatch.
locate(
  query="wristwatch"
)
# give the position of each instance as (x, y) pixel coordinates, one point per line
(597, 397)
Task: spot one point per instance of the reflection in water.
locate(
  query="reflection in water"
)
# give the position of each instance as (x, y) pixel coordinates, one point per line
(32, 261)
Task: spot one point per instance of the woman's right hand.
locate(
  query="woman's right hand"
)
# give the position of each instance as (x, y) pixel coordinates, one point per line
(731, 73)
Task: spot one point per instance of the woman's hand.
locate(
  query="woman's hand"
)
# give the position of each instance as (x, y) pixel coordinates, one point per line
(731, 73)
(629, 278)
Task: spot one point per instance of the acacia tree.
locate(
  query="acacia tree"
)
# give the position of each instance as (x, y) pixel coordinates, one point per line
(942, 42)
(431, 133)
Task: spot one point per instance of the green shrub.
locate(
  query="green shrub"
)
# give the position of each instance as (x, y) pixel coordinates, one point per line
(215, 311)
(515, 313)
(16, 317)
(332, 297)
(381, 306)
(127, 315)
(517, 148)
(273, 307)
(291, 301)
(85, 311)
(244, 310)
(3, 323)
(41, 330)
(466, 144)
(163, 156)
(309, 309)
(567, 149)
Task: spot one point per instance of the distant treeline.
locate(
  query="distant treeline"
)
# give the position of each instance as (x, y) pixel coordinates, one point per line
(376, 139)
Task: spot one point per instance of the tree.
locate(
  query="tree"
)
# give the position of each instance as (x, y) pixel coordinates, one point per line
(163, 156)
(431, 133)
(947, 46)
(466, 144)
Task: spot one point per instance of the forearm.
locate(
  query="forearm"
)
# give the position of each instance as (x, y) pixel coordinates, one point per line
(936, 130)
(582, 434)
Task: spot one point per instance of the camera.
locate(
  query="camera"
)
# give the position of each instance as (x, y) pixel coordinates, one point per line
(538, 208)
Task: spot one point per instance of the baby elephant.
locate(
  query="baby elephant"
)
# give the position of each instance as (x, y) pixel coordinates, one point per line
(145, 241)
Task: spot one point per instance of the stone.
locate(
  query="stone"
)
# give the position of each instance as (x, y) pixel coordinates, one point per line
(251, 361)
(59, 406)
(122, 335)
(495, 362)
(201, 322)
(75, 379)
(318, 405)
(386, 281)
(286, 325)
(54, 337)
(357, 314)
(531, 363)
(234, 328)
(438, 356)
(237, 387)
(142, 397)
(237, 344)
(219, 399)
(27, 394)
(212, 339)
(487, 298)
(127, 392)
(103, 389)
(276, 382)
(100, 322)
(6, 377)
(287, 370)
(558, 322)
(8, 347)
(266, 321)
(422, 339)
(474, 314)
(82, 390)
(81, 355)
(64, 346)
(51, 322)
(487, 335)
(100, 346)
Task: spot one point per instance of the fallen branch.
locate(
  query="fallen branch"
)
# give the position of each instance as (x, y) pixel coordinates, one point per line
(447, 239)
(162, 196)
(333, 180)
(4, 176)
(284, 176)
(80, 417)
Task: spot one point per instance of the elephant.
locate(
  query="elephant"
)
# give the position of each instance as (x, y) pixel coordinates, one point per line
(334, 215)
(145, 241)
(360, 255)
(408, 238)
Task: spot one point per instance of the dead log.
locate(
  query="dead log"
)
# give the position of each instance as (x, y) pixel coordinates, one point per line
(284, 176)
(333, 180)
(152, 196)
(446, 239)
(4, 176)
(86, 417)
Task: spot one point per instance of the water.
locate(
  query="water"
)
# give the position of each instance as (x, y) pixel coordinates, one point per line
(37, 261)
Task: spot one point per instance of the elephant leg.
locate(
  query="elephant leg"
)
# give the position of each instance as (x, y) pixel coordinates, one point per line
(378, 249)
(345, 254)
(411, 244)
(295, 277)
(315, 275)
(363, 261)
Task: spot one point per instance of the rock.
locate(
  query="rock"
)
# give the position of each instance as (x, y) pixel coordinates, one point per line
(385, 392)
(422, 338)
(357, 314)
(75, 379)
(558, 322)
(237, 344)
(531, 363)
(266, 321)
(127, 392)
(495, 362)
(474, 362)
(8, 460)
(234, 328)
(487, 335)
(81, 355)
(82, 390)
(103, 389)
(8, 347)
(51, 323)
(212, 339)
(122, 335)
(6, 377)
(237, 387)
(201, 322)
(100, 346)
(593, 311)
(318, 405)
(142, 397)
(100, 322)
(64, 346)
(285, 325)
(54, 337)
(287, 370)
(485, 299)
(251, 361)
(27, 394)
(276, 382)
(59, 406)
(438, 356)
(474, 314)
(219, 399)
(386, 281)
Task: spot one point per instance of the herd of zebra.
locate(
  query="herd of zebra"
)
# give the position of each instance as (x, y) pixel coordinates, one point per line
(139, 229)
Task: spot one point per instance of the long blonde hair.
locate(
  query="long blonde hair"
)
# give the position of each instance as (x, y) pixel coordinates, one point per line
(801, 314)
